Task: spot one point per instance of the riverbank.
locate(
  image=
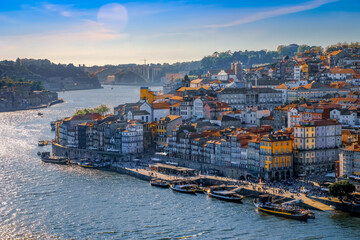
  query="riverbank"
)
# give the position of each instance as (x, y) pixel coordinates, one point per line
(140, 169)
(58, 101)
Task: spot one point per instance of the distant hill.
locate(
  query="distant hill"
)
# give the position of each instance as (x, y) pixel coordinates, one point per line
(54, 77)
(128, 77)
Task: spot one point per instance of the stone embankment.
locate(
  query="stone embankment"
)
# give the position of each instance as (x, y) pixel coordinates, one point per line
(125, 165)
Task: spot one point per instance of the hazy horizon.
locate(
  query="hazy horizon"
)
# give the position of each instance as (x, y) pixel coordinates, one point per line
(109, 32)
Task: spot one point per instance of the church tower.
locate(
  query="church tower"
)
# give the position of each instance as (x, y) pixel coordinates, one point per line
(186, 81)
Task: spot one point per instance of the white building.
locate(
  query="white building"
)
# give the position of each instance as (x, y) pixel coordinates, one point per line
(345, 116)
(297, 73)
(198, 108)
(293, 117)
(132, 139)
(252, 116)
(186, 108)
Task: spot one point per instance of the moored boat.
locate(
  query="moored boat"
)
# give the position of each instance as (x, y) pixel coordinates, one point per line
(46, 158)
(283, 210)
(189, 188)
(159, 183)
(229, 196)
(87, 165)
(42, 143)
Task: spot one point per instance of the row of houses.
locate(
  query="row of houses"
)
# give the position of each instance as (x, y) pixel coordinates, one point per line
(312, 148)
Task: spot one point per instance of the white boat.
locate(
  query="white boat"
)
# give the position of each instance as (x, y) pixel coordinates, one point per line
(229, 196)
(188, 188)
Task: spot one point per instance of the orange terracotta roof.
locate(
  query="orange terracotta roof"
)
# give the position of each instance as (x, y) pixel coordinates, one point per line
(172, 117)
(178, 98)
(335, 52)
(337, 70)
(282, 86)
(197, 81)
(175, 105)
(164, 96)
(161, 105)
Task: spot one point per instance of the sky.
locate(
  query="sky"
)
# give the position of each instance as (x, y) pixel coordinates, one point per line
(99, 32)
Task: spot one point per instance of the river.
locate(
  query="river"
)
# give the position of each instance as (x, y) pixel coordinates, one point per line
(45, 201)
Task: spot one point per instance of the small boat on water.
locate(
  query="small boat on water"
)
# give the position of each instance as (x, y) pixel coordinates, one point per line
(283, 210)
(87, 165)
(46, 158)
(188, 188)
(229, 196)
(159, 183)
(42, 143)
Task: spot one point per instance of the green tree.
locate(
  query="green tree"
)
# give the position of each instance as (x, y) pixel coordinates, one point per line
(37, 86)
(341, 189)
(303, 48)
(102, 109)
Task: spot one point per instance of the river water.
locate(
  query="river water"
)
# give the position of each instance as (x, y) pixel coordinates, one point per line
(45, 201)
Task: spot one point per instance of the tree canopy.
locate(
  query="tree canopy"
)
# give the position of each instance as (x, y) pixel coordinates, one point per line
(341, 189)
(102, 109)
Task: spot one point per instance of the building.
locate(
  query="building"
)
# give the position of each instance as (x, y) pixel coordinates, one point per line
(251, 116)
(276, 156)
(132, 138)
(316, 146)
(242, 98)
(146, 94)
(314, 91)
(350, 161)
(164, 129)
(345, 116)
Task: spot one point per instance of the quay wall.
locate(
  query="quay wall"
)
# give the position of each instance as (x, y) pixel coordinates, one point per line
(77, 153)
(231, 172)
(346, 207)
(130, 172)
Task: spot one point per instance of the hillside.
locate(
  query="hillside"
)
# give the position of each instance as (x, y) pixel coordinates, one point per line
(54, 77)
(125, 77)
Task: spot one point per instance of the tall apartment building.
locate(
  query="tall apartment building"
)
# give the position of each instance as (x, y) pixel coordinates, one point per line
(316, 146)
(276, 156)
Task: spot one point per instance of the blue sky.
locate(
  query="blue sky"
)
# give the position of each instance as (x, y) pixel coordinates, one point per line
(113, 32)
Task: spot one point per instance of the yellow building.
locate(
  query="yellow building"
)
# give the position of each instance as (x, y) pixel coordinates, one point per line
(276, 160)
(304, 136)
(305, 69)
(146, 94)
(164, 128)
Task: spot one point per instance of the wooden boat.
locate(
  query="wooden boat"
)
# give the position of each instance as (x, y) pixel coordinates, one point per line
(54, 159)
(189, 188)
(42, 143)
(87, 165)
(284, 210)
(46, 158)
(159, 183)
(229, 196)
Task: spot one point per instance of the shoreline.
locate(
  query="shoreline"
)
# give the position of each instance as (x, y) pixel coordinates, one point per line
(35, 107)
(81, 89)
(124, 164)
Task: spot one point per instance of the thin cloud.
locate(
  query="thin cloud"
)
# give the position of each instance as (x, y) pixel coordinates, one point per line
(88, 31)
(274, 13)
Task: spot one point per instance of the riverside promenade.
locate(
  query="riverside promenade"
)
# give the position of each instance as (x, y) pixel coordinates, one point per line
(243, 187)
